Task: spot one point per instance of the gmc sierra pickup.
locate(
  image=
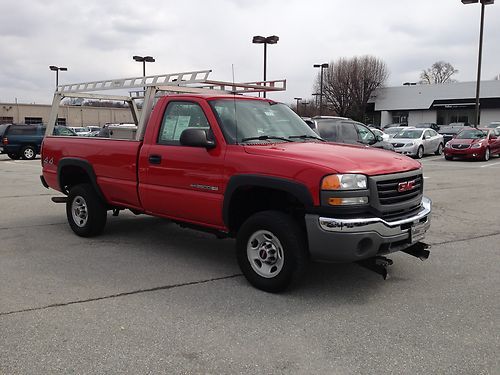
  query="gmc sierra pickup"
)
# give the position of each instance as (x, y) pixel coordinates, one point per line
(248, 168)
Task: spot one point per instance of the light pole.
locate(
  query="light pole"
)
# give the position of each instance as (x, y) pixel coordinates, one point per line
(298, 100)
(321, 66)
(57, 69)
(144, 60)
(479, 59)
(273, 39)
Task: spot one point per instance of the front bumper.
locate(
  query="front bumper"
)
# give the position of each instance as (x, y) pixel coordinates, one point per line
(467, 153)
(350, 240)
(409, 151)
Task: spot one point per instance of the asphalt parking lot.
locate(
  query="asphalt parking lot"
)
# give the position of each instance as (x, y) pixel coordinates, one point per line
(150, 297)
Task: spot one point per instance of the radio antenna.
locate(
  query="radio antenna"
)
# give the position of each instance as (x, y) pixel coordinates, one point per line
(234, 105)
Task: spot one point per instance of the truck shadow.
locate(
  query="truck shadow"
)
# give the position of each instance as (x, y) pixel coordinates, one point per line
(154, 236)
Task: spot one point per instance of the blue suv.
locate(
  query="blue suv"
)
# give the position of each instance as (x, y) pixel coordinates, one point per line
(24, 141)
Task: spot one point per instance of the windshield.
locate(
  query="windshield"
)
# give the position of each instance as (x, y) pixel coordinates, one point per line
(259, 120)
(392, 131)
(471, 134)
(411, 134)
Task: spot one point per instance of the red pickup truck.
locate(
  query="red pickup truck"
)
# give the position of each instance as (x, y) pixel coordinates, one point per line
(247, 168)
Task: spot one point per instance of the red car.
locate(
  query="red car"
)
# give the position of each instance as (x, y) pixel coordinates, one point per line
(472, 143)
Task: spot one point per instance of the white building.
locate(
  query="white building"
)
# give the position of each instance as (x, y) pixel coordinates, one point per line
(440, 104)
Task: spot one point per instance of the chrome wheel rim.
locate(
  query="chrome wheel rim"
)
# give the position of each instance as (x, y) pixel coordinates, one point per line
(79, 211)
(28, 153)
(440, 149)
(420, 153)
(487, 154)
(265, 254)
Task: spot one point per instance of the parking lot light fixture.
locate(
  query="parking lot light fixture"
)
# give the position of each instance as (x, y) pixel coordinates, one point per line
(479, 59)
(144, 60)
(258, 39)
(322, 67)
(57, 69)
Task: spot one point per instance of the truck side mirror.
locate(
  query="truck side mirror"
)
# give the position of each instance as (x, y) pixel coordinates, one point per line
(196, 137)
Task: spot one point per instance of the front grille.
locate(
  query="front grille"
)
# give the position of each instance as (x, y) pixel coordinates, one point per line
(391, 191)
(398, 144)
(460, 146)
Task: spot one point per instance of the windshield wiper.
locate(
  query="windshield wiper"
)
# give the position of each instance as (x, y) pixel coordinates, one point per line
(265, 138)
(305, 136)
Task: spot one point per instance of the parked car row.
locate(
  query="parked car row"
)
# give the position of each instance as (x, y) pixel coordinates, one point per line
(24, 141)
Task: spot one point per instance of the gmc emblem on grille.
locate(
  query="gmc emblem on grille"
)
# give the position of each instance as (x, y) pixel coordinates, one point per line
(406, 186)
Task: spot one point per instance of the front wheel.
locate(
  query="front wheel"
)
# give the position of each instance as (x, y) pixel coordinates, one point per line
(487, 154)
(85, 210)
(439, 150)
(271, 250)
(420, 153)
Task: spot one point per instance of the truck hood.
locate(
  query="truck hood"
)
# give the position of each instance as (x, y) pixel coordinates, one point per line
(339, 158)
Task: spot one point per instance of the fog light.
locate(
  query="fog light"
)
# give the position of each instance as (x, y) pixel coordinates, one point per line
(347, 201)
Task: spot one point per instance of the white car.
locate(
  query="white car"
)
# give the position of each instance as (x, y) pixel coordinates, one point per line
(391, 132)
(384, 136)
(418, 142)
(81, 131)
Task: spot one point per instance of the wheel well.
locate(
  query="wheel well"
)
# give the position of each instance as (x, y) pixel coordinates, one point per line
(249, 200)
(72, 175)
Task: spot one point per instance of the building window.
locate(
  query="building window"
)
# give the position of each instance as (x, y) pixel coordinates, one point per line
(32, 120)
(6, 120)
(400, 117)
(61, 121)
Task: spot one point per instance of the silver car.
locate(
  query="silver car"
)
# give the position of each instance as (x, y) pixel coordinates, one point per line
(418, 142)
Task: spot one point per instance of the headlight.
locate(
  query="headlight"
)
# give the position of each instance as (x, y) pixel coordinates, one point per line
(344, 182)
(476, 145)
(409, 144)
(447, 145)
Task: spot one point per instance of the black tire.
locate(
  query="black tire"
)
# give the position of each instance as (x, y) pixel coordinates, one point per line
(439, 150)
(14, 156)
(487, 154)
(448, 157)
(290, 250)
(420, 153)
(28, 153)
(85, 210)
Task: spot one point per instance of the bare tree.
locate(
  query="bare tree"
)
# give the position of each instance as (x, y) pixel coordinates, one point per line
(439, 72)
(350, 82)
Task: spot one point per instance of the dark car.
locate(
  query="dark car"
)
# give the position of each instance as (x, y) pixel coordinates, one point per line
(472, 143)
(451, 130)
(24, 141)
(428, 125)
(343, 130)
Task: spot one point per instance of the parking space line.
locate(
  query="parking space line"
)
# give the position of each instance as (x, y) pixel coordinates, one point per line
(490, 165)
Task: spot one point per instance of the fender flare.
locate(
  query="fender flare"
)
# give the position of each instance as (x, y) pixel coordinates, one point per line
(83, 164)
(298, 190)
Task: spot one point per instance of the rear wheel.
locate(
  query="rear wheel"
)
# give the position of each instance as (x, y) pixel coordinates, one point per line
(85, 210)
(14, 156)
(28, 153)
(439, 150)
(271, 250)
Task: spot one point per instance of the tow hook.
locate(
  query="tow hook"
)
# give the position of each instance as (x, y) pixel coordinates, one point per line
(419, 250)
(377, 264)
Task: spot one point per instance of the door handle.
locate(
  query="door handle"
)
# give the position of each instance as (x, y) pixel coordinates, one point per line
(154, 159)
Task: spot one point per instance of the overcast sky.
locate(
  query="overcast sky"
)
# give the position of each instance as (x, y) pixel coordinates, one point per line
(96, 39)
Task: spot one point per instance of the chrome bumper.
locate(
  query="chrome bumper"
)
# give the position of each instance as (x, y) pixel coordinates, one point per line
(349, 240)
(375, 224)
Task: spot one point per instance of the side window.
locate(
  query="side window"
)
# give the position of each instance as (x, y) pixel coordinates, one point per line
(349, 133)
(329, 131)
(365, 135)
(432, 133)
(178, 117)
